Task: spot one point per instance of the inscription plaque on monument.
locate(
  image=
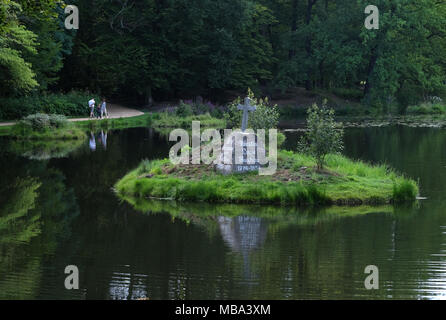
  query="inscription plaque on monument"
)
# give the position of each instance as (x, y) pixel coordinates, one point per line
(240, 152)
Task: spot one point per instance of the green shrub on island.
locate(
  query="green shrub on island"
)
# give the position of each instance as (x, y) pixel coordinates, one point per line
(324, 134)
(70, 104)
(296, 182)
(47, 127)
(265, 117)
(427, 109)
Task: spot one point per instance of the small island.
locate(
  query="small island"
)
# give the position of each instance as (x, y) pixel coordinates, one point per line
(317, 174)
(296, 182)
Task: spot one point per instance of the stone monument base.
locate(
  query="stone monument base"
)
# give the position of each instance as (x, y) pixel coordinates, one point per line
(240, 154)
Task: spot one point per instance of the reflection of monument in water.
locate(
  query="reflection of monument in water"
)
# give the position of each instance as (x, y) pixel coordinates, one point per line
(243, 235)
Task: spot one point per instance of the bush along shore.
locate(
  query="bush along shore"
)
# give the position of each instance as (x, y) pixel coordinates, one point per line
(46, 127)
(296, 182)
(69, 104)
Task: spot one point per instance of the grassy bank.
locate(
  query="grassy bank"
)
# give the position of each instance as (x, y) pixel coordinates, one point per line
(168, 120)
(69, 132)
(161, 120)
(144, 120)
(296, 182)
(42, 126)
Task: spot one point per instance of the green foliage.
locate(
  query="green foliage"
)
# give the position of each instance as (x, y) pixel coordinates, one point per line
(205, 47)
(46, 127)
(184, 110)
(280, 139)
(71, 104)
(265, 117)
(145, 120)
(323, 136)
(189, 108)
(427, 108)
(17, 76)
(349, 94)
(169, 120)
(41, 121)
(30, 51)
(404, 190)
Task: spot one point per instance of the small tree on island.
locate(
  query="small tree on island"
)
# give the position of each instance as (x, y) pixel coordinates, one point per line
(265, 117)
(323, 136)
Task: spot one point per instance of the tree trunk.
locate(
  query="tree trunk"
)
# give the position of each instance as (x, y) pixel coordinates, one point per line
(370, 69)
(149, 99)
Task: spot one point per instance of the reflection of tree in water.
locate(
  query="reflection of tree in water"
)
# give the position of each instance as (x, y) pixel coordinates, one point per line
(243, 234)
(36, 210)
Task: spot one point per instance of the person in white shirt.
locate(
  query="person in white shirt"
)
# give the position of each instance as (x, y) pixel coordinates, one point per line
(104, 112)
(91, 104)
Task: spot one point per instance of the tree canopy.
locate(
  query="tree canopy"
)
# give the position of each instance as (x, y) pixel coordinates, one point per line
(157, 49)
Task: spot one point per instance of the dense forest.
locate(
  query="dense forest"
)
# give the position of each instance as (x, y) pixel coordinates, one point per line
(163, 49)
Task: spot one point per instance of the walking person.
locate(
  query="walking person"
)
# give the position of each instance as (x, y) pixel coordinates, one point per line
(104, 112)
(98, 112)
(91, 104)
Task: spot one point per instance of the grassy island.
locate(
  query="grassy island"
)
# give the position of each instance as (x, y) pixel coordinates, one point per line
(296, 182)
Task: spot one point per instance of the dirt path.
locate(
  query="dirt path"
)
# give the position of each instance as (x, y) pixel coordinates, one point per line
(115, 111)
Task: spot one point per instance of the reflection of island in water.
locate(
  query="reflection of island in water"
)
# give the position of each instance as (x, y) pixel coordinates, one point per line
(248, 229)
(244, 227)
(243, 234)
(234, 219)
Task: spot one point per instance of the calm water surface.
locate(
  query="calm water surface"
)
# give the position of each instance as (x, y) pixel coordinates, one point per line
(58, 209)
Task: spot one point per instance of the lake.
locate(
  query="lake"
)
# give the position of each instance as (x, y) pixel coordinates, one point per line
(57, 208)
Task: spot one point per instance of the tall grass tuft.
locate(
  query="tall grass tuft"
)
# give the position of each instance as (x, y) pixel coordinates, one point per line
(404, 190)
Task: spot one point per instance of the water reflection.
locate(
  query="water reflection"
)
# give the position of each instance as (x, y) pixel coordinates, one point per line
(45, 150)
(101, 137)
(63, 211)
(243, 234)
(36, 210)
